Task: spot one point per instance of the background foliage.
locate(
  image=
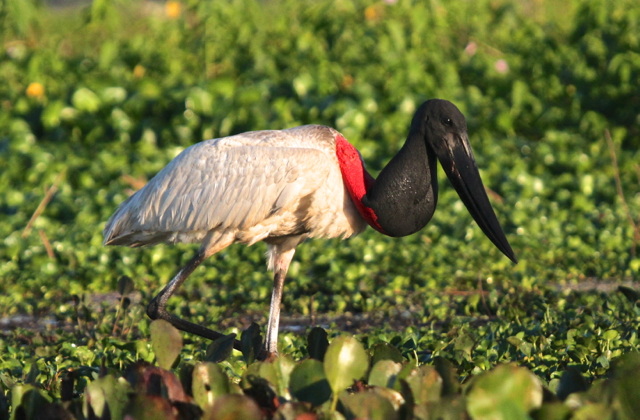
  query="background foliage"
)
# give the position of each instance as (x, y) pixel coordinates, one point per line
(97, 99)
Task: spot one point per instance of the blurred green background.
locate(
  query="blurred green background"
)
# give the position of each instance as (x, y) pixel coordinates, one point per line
(95, 98)
(112, 91)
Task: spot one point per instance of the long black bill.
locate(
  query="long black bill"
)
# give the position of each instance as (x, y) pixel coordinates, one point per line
(460, 166)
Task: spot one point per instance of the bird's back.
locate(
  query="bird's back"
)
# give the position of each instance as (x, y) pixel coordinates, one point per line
(254, 185)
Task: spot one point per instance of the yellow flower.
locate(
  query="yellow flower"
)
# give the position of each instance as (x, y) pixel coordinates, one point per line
(35, 90)
(372, 13)
(347, 81)
(138, 71)
(173, 9)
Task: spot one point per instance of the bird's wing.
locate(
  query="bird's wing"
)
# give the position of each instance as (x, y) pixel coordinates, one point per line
(227, 184)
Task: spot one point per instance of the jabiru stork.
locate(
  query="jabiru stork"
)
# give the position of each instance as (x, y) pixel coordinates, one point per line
(283, 186)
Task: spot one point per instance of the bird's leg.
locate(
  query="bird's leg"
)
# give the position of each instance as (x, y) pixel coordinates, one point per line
(280, 268)
(271, 342)
(157, 307)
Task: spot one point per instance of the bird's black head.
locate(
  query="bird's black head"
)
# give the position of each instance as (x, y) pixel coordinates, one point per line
(444, 130)
(439, 120)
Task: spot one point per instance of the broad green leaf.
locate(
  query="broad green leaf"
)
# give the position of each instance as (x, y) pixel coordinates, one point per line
(317, 343)
(108, 391)
(505, 392)
(385, 351)
(384, 373)
(368, 405)
(394, 397)
(277, 372)
(84, 99)
(114, 94)
(4, 404)
(32, 375)
(571, 381)
(149, 407)
(426, 384)
(451, 407)
(51, 114)
(465, 344)
(166, 342)
(308, 382)
(295, 411)
(209, 383)
(16, 396)
(595, 411)
(234, 406)
(220, 349)
(30, 399)
(626, 374)
(251, 343)
(515, 341)
(552, 411)
(631, 294)
(450, 383)
(125, 285)
(344, 362)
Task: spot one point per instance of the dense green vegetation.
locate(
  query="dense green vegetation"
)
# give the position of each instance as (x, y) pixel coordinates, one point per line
(95, 100)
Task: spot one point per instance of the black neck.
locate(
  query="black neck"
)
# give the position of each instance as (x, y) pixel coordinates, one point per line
(405, 194)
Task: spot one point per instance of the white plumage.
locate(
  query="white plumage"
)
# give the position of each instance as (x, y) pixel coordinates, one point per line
(256, 185)
(279, 186)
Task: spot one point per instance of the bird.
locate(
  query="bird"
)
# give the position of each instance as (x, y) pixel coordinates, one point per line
(284, 186)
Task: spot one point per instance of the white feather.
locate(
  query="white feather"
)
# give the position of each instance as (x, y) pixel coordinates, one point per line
(253, 186)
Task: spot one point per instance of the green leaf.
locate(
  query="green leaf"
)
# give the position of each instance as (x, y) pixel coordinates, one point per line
(464, 343)
(515, 341)
(552, 411)
(32, 375)
(30, 399)
(450, 383)
(220, 349)
(277, 372)
(251, 343)
(344, 362)
(368, 405)
(507, 392)
(125, 285)
(209, 383)
(308, 383)
(384, 373)
(626, 374)
(166, 342)
(17, 392)
(595, 411)
(234, 406)
(4, 404)
(108, 391)
(295, 411)
(317, 343)
(631, 294)
(385, 351)
(394, 397)
(604, 361)
(426, 384)
(149, 407)
(51, 114)
(84, 99)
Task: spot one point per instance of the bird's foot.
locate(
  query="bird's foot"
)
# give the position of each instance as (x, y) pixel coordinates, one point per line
(267, 356)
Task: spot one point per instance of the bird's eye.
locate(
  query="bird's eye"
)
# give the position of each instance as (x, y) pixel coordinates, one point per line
(447, 122)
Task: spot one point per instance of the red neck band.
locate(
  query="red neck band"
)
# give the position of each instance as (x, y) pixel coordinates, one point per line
(356, 179)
